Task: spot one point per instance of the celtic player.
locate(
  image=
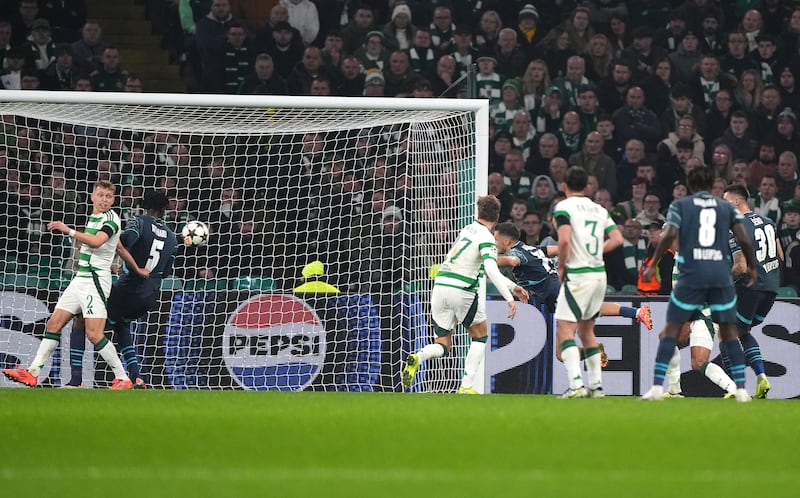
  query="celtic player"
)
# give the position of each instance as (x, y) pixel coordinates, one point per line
(87, 292)
(455, 300)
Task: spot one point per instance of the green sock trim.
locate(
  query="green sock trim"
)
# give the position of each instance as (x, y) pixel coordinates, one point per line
(444, 348)
(480, 339)
(569, 343)
(52, 336)
(703, 368)
(101, 344)
(591, 352)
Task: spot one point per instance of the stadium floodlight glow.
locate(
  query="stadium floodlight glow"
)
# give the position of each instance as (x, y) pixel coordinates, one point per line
(375, 188)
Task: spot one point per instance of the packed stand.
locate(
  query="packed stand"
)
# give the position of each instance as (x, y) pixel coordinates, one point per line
(637, 92)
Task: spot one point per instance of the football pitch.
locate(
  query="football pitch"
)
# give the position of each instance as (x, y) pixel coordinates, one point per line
(86, 443)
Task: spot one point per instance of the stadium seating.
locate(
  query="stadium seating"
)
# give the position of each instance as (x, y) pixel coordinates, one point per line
(787, 292)
(253, 283)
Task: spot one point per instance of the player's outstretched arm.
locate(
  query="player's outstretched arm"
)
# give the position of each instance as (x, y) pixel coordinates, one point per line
(507, 261)
(94, 240)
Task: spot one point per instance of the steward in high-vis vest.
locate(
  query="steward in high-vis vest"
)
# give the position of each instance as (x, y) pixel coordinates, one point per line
(315, 269)
(659, 285)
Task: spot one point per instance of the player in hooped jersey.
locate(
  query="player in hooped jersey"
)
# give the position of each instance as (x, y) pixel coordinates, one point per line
(455, 299)
(87, 292)
(754, 302)
(585, 232)
(701, 223)
(153, 246)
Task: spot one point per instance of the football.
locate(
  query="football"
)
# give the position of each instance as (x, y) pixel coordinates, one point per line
(195, 234)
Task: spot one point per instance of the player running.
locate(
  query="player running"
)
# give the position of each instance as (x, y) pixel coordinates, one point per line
(455, 299)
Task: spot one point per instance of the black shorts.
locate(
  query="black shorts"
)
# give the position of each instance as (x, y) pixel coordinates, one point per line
(126, 304)
(753, 307)
(685, 302)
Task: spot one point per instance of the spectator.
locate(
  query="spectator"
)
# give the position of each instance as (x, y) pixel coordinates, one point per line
(534, 231)
(509, 106)
(787, 175)
(785, 136)
(332, 51)
(488, 31)
(737, 60)
(463, 52)
(668, 148)
(652, 210)
(558, 171)
(209, 32)
(40, 49)
(308, 69)
(748, 90)
(570, 135)
(399, 32)
(546, 150)
(624, 262)
(669, 38)
(612, 90)
(11, 77)
(287, 49)
(712, 39)
(709, 82)
(790, 93)
(766, 203)
(110, 77)
(61, 74)
(765, 164)
(635, 121)
(400, 78)
(686, 57)
(633, 205)
(596, 162)
(374, 85)
(303, 16)
(423, 57)
(442, 30)
(320, 86)
(555, 50)
(354, 34)
(550, 115)
(573, 80)
(767, 58)
(488, 81)
(497, 188)
(265, 40)
(587, 109)
(263, 80)
(22, 22)
(372, 56)
(598, 58)
(528, 33)
(613, 146)
(510, 59)
(619, 33)
(88, 51)
(642, 55)
(721, 160)
(541, 198)
(765, 116)
(789, 233)
(738, 139)
(518, 182)
(233, 60)
(523, 134)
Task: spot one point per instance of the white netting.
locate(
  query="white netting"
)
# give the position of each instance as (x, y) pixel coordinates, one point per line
(376, 195)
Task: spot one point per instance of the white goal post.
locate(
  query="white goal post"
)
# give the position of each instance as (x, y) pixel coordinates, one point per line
(374, 188)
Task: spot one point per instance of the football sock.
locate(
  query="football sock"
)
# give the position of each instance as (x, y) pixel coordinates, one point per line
(77, 344)
(717, 375)
(46, 348)
(673, 373)
(628, 312)
(726, 362)
(109, 353)
(434, 350)
(752, 353)
(593, 369)
(127, 349)
(475, 354)
(736, 356)
(572, 361)
(666, 348)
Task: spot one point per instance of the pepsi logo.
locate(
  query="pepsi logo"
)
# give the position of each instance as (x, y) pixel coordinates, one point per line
(274, 342)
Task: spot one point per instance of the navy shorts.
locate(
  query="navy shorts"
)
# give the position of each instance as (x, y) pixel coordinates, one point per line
(753, 307)
(685, 302)
(126, 304)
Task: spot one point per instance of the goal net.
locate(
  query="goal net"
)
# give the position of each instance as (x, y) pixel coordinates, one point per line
(374, 189)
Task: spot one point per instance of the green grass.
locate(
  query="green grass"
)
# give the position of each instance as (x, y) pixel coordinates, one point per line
(184, 444)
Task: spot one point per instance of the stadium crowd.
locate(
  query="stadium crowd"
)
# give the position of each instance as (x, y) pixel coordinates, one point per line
(637, 92)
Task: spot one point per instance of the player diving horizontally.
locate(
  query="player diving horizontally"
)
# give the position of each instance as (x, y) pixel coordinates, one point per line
(536, 271)
(455, 299)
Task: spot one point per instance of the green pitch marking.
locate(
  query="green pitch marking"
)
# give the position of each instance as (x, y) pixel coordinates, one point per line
(83, 443)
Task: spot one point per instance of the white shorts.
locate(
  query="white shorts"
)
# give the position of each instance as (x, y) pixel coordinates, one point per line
(581, 296)
(450, 306)
(700, 335)
(82, 296)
